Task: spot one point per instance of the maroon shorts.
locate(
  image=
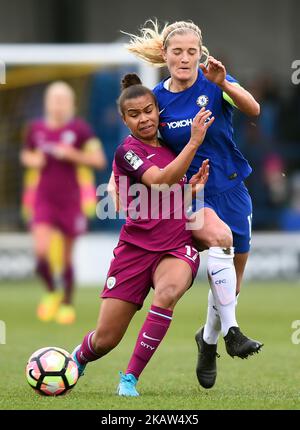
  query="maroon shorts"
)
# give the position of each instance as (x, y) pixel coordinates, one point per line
(131, 270)
(69, 220)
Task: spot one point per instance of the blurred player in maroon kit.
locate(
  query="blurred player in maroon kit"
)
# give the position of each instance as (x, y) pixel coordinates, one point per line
(54, 145)
(152, 250)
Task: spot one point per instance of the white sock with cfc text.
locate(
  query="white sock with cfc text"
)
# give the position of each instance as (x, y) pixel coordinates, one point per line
(212, 326)
(222, 278)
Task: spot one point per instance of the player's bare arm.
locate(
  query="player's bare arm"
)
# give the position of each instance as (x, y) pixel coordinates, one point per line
(215, 72)
(95, 159)
(32, 158)
(177, 168)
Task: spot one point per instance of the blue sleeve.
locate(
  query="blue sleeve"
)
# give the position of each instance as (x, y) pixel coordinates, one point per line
(226, 98)
(231, 79)
(85, 132)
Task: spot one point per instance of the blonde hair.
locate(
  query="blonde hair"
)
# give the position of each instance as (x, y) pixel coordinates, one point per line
(150, 43)
(60, 86)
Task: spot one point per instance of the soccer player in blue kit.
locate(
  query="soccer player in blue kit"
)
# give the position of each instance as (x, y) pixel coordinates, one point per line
(227, 212)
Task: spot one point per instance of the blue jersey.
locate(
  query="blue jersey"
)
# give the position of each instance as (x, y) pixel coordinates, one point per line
(228, 167)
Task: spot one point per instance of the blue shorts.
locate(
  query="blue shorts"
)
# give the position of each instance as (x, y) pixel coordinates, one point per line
(234, 207)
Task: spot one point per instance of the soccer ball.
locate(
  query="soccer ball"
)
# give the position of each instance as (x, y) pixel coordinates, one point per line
(51, 371)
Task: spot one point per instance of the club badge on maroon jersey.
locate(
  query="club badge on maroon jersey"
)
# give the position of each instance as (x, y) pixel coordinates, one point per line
(111, 282)
(68, 137)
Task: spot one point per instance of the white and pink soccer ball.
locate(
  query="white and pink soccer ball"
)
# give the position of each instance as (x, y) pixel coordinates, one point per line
(51, 371)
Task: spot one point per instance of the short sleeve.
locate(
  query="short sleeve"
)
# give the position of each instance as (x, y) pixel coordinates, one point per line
(29, 142)
(85, 133)
(226, 97)
(231, 79)
(132, 161)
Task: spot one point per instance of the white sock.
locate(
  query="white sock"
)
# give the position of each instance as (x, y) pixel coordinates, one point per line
(222, 278)
(212, 326)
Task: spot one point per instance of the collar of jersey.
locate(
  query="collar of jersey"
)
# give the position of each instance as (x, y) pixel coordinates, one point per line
(200, 78)
(148, 146)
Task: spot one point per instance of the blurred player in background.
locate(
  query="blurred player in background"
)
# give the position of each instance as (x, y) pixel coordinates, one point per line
(151, 251)
(228, 207)
(56, 146)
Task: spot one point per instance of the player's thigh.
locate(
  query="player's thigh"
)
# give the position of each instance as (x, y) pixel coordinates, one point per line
(42, 233)
(113, 320)
(210, 230)
(71, 221)
(235, 209)
(171, 279)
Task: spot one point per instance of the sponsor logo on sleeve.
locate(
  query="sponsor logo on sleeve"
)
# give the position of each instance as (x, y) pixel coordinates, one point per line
(133, 159)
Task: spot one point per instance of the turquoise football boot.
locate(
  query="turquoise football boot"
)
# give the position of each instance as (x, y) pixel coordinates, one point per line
(81, 367)
(127, 385)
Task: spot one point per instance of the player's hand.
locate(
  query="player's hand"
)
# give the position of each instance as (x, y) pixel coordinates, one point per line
(200, 124)
(65, 152)
(201, 176)
(214, 71)
(38, 159)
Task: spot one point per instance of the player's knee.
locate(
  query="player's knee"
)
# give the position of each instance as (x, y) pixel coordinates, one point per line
(168, 296)
(41, 252)
(219, 237)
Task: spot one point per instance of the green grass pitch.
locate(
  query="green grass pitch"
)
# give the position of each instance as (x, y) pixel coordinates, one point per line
(269, 380)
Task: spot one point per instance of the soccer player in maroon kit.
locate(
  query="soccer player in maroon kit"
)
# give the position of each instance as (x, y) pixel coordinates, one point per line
(153, 251)
(54, 145)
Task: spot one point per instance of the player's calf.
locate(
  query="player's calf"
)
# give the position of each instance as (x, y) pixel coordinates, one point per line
(85, 353)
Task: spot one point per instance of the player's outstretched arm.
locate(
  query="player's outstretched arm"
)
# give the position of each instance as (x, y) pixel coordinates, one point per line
(174, 171)
(242, 99)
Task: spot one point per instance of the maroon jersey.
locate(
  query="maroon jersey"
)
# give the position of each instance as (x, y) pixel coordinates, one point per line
(159, 222)
(58, 182)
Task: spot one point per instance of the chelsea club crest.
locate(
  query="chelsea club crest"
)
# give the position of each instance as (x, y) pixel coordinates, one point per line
(202, 100)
